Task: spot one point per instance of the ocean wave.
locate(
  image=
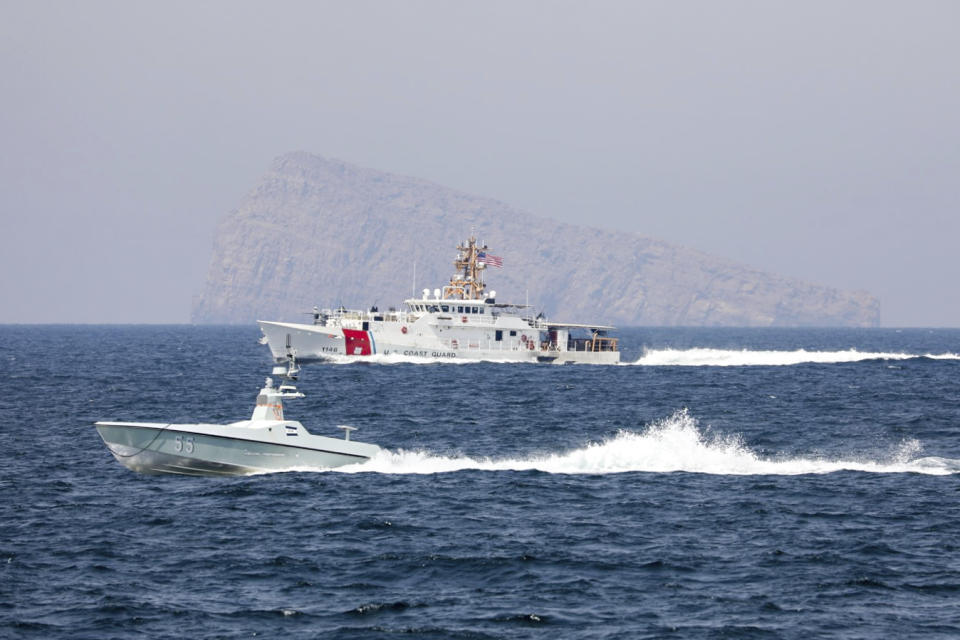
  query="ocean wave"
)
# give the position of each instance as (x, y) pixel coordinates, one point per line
(706, 357)
(676, 443)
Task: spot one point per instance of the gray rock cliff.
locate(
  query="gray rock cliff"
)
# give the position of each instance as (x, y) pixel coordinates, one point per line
(322, 232)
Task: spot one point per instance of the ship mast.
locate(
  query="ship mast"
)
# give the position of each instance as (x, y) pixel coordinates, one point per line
(467, 282)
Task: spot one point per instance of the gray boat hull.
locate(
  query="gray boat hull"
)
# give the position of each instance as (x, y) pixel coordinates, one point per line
(227, 450)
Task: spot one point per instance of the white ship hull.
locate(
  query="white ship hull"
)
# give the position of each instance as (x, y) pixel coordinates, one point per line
(426, 340)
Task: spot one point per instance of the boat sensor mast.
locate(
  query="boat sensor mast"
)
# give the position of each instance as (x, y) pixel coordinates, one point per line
(467, 282)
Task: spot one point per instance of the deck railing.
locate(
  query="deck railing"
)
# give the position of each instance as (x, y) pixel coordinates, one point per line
(597, 343)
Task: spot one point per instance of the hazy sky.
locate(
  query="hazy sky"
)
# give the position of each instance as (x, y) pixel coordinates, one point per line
(814, 139)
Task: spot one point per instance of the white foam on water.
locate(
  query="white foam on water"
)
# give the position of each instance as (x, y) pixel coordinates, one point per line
(942, 356)
(704, 357)
(697, 357)
(676, 443)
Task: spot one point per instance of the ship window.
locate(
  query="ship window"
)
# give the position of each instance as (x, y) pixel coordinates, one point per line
(483, 309)
(459, 309)
(444, 308)
(473, 310)
(513, 333)
(498, 336)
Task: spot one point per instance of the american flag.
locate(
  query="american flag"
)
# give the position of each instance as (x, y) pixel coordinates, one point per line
(490, 259)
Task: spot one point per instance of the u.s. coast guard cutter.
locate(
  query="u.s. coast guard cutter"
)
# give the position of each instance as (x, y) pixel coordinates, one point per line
(266, 442)
(460, 321)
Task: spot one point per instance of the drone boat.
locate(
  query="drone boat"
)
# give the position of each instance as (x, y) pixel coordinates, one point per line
(267, 442)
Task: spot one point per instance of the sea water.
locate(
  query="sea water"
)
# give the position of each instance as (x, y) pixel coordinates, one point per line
(717, 484)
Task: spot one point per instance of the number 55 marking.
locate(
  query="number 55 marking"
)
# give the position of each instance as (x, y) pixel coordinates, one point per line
(184, 444)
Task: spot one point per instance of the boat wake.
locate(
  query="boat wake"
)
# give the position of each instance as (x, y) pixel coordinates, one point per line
(676, 443)
(697, 357)
(704, 357)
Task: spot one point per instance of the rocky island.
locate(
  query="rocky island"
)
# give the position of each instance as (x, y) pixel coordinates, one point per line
(318, 231)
